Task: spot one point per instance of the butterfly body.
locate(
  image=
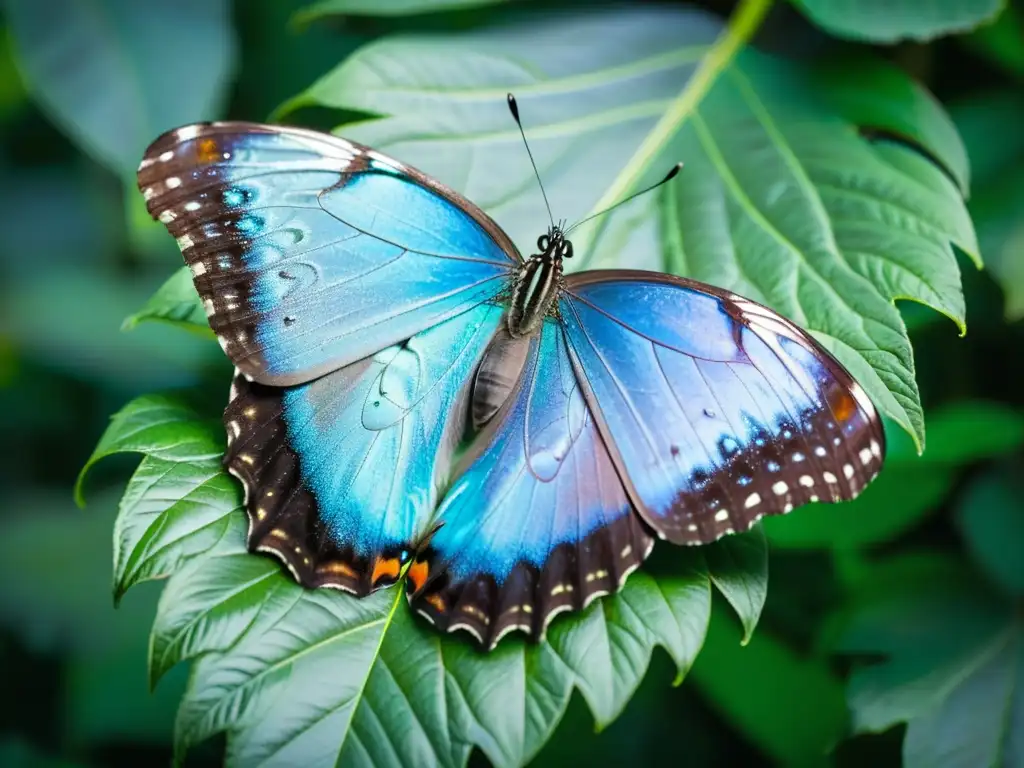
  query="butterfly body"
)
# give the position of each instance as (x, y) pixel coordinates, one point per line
(414, 398)
(535, 291)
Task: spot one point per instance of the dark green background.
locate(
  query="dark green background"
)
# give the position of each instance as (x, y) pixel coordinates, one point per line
(75, 259)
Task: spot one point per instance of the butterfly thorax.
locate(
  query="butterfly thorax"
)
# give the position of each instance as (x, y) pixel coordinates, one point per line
(538, 283)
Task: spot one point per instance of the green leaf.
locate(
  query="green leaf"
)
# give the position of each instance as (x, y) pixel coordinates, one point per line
(390, 8)
(954, 656)
(886, 21)
(264, 646)
(177, 303)
(878, 96)
(991, 518)
(781, 199)
(911, 486)
(163, 427)
(792, 707)
(738, 566)
(1002, 41)
(139, 68)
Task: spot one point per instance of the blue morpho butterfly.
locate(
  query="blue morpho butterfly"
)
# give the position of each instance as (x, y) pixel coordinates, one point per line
(413, 396)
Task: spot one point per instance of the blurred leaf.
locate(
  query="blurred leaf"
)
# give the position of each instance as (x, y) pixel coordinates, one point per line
(781, 201)
(175, 302)
(114, 74)
(890, 506)
(972, 430)
(54, 563)
(15, 753)
(987, 121)
(89, 214)
(791, 707)
(909, 486)
(989, 124)
(389, 8)
(886, 21)
(70, 319)
(991, 518)
(262, 643)
(953, 669)
(12, 92)
(270, 36)
(1001, 42)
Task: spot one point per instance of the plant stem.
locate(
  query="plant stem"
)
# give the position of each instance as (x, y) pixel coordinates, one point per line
(743, 24)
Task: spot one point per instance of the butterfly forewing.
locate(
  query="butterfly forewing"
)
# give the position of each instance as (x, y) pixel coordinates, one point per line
(717, 410)
(310, 252)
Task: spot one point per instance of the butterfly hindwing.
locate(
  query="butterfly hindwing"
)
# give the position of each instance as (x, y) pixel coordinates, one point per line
(537, 522)
(343, 474)
(311, 252)
(717, 410)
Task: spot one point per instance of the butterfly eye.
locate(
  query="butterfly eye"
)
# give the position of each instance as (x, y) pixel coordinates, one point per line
(566, 250)
(542, 243)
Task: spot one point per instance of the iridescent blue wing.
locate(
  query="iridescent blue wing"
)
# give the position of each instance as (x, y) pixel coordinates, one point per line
(538, 521)
(342, 474)
(716, 409)
(311, 252)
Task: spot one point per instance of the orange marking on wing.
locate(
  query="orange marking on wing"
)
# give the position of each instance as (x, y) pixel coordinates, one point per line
(418, 573)
(338, 567)
(207, 151)
(384, 567)
(436, 601)
(844, 406)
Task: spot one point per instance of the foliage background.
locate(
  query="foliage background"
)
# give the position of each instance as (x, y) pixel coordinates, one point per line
(925, 571)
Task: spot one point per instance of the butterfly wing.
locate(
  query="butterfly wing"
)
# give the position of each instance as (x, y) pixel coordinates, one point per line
(310, 252)
(716, 409)
(538, 522)
(342, 474)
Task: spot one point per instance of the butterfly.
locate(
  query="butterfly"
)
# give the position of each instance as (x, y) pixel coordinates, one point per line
(414, 399)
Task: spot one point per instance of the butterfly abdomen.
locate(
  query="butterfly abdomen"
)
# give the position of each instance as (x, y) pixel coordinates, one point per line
(497, 375)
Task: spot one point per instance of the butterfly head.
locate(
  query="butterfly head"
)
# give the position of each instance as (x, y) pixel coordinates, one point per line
(554, 245)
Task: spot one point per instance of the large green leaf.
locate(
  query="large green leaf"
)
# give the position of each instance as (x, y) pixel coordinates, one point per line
(886, 21)
(953, 669)
(115, 73)
(781, 199)
(991, 518)
(321, 677)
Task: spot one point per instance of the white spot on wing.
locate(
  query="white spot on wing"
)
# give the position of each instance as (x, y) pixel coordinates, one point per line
(173, 182)
(829, 477)
(166, 156)
(780, 488)
(752, 500)
(721, 516)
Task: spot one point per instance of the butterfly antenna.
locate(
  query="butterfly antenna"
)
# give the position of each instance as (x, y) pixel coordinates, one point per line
(668, 177)
(513, 107)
